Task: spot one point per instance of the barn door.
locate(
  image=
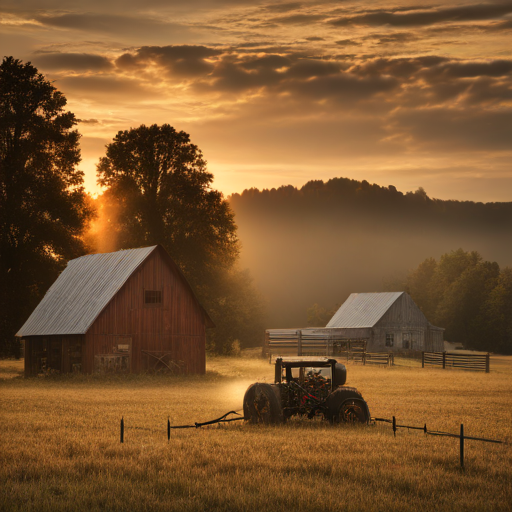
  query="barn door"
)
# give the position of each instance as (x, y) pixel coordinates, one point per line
(406, 340)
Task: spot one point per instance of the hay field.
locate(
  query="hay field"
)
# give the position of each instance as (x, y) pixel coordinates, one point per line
(60, 450)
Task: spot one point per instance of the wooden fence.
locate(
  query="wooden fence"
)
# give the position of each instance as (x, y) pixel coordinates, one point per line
(453, 360)
(378, 358)
(311, 342)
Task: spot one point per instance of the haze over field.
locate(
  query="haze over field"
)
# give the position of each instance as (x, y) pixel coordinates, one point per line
(284, 92)
(324, 241)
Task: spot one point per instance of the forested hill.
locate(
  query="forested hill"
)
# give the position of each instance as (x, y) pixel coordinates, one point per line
(319, 243)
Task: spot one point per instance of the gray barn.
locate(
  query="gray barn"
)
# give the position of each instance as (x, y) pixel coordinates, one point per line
(388, 321)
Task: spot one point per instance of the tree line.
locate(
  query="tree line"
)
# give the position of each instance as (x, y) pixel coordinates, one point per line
(157, 190)
(468, 296)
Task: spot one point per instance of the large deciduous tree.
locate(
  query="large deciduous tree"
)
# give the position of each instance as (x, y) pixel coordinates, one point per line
(43, 207)
(160, 190)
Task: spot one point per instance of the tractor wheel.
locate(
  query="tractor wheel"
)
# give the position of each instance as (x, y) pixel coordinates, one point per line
(261, 405)
(346, 405)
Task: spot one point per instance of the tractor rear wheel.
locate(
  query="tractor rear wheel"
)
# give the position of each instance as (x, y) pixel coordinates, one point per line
(346, 405)
(261, 405)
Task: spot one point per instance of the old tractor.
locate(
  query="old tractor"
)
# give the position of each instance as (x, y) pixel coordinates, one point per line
(312, 387)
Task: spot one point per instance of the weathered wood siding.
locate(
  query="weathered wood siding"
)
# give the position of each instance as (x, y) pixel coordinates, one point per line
(176, 326)
(406, 322)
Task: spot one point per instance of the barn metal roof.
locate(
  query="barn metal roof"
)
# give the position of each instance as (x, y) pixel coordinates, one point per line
(82, 291)
(362, 310)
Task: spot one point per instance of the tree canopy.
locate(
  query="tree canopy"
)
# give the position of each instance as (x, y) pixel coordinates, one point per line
(469, 297)
(43, 207)
(160, 192)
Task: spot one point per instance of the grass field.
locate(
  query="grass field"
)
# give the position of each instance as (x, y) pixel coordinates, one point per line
(60, 449)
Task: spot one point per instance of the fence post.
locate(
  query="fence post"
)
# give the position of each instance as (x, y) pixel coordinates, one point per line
(299, 343)
(462, 445)
(168, 429)
(423, 359)
(487, 363)
(122, 430)
(364, 358)
(444, 360)
(394, 426)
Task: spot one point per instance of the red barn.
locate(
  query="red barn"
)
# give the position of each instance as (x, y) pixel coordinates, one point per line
(129, 310)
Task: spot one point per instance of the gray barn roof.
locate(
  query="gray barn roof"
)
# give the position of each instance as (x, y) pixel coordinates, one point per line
(82, 291)
(362, 310)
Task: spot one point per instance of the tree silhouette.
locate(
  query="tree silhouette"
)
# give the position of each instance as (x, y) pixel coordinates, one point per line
(43, 207)
(157, 181)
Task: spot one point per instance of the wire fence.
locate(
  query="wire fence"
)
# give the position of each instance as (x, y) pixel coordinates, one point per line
(395, 426)
(461, 436)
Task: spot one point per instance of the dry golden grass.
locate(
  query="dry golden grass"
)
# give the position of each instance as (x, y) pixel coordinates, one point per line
(60, 449)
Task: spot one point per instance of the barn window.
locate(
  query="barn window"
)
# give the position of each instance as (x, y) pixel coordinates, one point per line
(389, 340)
(152, 297)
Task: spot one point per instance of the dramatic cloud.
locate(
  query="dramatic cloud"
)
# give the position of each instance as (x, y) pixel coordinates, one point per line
(286, 7)
(427, 16)
(348, 42)
(298, 19)
(181, 61)
(78, 62)
(108, 88)
(139, 28)
(448, 70)
(394, 38)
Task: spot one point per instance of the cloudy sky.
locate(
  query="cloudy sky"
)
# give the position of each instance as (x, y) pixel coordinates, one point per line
(411, 93)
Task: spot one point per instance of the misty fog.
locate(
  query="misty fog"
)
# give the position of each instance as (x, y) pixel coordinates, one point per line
(309, 246)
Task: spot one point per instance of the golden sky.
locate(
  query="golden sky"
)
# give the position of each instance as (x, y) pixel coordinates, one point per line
(274, 93)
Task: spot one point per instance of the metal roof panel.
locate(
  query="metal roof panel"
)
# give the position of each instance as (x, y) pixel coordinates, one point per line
(362, 310)
(82, 291)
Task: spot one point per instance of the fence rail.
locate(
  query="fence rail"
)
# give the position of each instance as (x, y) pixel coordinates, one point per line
(452, 360)
(378, 358)
(311, 342)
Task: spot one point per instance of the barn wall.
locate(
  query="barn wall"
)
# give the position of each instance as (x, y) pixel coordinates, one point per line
(406, 322)
(176, 327)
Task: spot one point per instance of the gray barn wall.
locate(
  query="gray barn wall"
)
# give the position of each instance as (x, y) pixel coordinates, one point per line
(404, 317)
